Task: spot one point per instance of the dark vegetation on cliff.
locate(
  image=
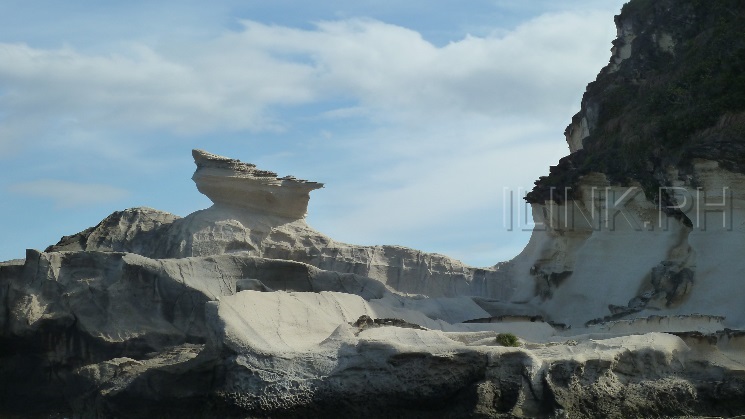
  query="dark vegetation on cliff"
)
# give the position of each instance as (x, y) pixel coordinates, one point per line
(668, 103)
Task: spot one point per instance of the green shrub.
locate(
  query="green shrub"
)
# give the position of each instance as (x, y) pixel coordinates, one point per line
(508, 339)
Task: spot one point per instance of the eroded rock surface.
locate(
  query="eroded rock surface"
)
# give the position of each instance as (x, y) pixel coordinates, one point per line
(262, 227)
(243, 310)
(645, 216)
(229, 182)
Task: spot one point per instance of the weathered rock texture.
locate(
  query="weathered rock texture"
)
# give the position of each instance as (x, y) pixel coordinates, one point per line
(645, 216)
(250, 215)
(228, 182)
(623, 306)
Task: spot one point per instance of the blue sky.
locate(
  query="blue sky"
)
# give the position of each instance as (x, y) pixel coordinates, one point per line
(416, 115)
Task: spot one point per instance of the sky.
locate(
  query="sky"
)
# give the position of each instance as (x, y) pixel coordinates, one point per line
(421, 118)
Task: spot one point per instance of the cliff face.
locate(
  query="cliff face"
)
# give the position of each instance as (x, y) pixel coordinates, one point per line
(646, 213)
(673, 92)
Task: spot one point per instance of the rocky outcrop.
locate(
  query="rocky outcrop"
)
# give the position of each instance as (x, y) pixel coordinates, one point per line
(104, 333)
(624, 305)
(135, 230)
(69, 317)
(228, 182)
(611, 246)
(116, 334)
(645, 216)
(251, 215)
(296, 355)
(89, 332)
(449, 378)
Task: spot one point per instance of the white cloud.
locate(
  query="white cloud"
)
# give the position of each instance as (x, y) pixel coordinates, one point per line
(66, 194)
(392, 69)
(437, 178)
(236, 82)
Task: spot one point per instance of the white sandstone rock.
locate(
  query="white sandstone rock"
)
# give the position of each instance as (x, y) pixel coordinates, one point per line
(586, 255)
(257, 213)
(234, 184)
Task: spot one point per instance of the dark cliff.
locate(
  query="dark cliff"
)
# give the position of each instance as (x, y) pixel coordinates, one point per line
(673, 91)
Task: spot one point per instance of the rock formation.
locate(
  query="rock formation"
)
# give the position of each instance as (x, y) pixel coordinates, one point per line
(648, 209)
(230, 183)
(257, 213)
(623, 305)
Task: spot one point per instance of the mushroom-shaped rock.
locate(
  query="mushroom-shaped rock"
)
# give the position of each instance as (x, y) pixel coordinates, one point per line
(232, 183)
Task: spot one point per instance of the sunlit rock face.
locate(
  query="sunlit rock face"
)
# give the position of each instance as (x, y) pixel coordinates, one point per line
(231, 183)
(612, 253)
(625, 303)
(239, 336)
(262, 215)
(645, 216)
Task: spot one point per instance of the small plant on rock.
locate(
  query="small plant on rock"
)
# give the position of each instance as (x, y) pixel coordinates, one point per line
(508, 339)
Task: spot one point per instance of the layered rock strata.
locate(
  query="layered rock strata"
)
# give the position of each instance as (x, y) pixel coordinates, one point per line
(622, 305)
(117, 334)
(231, 183)
(645, 216)
(257, 213)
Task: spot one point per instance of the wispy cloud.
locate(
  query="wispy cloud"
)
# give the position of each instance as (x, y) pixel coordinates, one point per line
(66, 194)
(235, 82)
